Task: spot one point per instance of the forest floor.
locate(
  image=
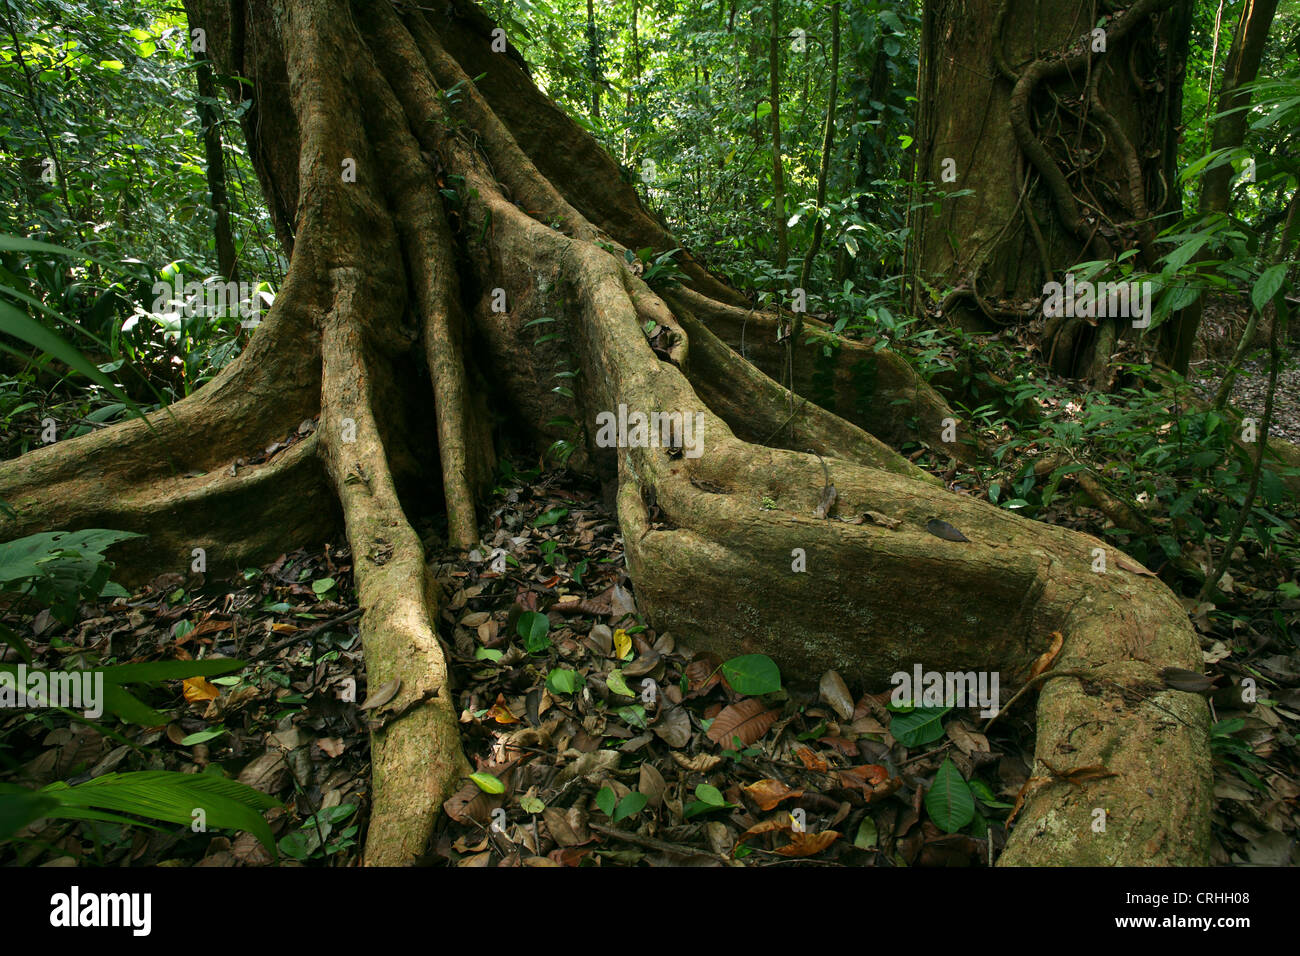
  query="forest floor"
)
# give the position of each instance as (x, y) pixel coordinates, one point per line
(595, 764)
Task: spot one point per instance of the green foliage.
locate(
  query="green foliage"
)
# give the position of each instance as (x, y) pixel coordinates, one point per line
(616, 809)
(59, 569)
(949, 801)
(312, 840)
(1236, 753)
(166, 796)
(488, 783)
(100, 130)
(920, 725)
(533, 628)
(752, 674)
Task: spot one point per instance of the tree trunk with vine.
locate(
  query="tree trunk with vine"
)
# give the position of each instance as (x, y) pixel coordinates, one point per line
(1061, 119)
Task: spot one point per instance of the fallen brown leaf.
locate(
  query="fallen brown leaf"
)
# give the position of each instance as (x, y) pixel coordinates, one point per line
(748, 719)
(768, 793)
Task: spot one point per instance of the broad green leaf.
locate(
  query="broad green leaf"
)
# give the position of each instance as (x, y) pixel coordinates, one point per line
(752, 674)
(949, 802)
(630, 805)
(710, 794)
(550, 517)
(533, 628)
(1268, 285)
(921, 726)
(488, 783)
(202, 737)
(562, 680)
(606, 799)
(173, 798)
(618, 685)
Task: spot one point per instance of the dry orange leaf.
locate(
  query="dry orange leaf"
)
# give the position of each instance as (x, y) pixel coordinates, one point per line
(700, 763)
(1048, 657)
(748, 720)
(768, 793)
(703, 673)
(198, 689)
(868, 774)
(210, 627)
(808, 844)
(774, 825)
(811, 760)
(501, 713)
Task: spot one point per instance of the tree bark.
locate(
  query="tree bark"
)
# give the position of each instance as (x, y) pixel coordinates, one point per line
(1070, 151)
(386, 266)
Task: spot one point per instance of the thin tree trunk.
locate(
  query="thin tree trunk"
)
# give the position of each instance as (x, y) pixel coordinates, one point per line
(593, 66)
(778, 170)
(1229, 132)
(1248, 334)
(227, 264)
(823, 171)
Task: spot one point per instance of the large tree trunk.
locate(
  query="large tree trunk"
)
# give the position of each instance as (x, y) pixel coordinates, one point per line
(387, 267)
(1070, 149)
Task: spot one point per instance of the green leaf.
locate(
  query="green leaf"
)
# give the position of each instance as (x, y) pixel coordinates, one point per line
(633, 714)
(618, 685)
(1267, 285)
(31, 556)
(170, 797)
(488, 783)
(986, 795)
(710, 794)
(203, 736)
(487, 654)
(21, 326)
(630, 805)
(562, 680)
(21, 807)
(531, 805)
(606, 799)
(752, 674)
(322, 585)
(949, 802)
(533, 628)
(921, 726)
(867, 837)
(550, 517)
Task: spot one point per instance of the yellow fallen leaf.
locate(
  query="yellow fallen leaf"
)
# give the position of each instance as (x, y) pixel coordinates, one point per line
(198, 689)
(622, 644)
